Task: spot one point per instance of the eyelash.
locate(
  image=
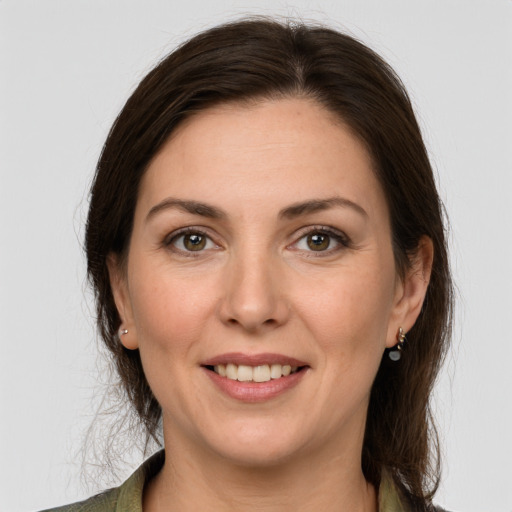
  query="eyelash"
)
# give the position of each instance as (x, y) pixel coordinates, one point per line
(170, 240)
(339, 237)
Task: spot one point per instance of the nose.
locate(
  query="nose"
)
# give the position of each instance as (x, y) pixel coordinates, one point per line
(254, 297)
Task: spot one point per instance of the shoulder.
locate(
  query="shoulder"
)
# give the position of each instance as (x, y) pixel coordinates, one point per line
(392, 499)
(104, 502)
(119, 499)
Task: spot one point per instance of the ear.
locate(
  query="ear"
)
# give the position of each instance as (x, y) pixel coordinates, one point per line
(120, 291)
(411, 290)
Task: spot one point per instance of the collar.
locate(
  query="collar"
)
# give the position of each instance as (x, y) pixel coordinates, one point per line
(130, 493)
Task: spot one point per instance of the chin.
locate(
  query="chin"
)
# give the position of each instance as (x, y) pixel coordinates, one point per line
(258, 456)
(258, 446)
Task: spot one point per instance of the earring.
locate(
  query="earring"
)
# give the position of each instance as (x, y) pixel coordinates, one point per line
(396, 352)
(122, 332)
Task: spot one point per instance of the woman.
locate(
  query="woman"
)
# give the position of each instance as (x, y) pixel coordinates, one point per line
(267, 249)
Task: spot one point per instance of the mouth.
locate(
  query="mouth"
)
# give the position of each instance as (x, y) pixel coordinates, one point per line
(258, 373)
(255, 377)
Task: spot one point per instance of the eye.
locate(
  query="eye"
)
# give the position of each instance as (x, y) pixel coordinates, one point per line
(318, 241)
(321, 240)
(190, 241)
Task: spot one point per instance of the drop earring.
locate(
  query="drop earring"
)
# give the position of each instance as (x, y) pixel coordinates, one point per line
(396, 352)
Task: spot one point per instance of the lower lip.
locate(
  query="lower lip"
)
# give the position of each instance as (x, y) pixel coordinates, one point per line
(255, 391)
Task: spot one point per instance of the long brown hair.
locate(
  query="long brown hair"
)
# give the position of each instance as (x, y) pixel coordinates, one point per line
(258, 59)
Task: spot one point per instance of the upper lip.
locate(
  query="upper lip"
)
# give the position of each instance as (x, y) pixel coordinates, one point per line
(239, 358)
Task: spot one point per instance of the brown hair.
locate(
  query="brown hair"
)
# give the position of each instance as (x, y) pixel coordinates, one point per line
(258, 59)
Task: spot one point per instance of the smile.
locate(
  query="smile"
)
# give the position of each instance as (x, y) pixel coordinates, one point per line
(260, 373)
(255, 377)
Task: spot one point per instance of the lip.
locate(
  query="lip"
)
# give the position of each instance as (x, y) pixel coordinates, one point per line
(255, 392)
(239, 358)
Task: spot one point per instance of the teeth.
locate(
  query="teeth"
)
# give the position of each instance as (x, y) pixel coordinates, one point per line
(276, 371)
(231, 371)
(244, 373)
(262, 373)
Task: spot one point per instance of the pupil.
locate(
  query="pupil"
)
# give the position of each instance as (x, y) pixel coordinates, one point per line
(318, 242)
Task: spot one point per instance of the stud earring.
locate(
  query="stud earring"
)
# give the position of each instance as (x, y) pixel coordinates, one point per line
(396, 352)
(122, 332)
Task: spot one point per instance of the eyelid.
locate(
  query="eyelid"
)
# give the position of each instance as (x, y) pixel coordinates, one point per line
(338, 235)
(168, 241)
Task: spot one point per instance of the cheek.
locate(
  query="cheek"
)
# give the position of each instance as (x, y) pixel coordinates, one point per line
(170, 313)
(170, 310)
(349, 311)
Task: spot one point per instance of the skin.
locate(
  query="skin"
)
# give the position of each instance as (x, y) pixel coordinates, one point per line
(257, 286)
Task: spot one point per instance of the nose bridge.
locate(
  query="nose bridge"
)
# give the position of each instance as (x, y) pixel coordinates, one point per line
(252, 296)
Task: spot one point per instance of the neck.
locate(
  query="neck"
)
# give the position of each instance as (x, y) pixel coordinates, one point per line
(191, 481)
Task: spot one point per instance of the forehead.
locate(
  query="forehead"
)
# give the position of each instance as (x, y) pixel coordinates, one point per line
(270, 152)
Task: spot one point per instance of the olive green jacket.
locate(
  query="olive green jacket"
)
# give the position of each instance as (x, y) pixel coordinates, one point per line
(128, 497)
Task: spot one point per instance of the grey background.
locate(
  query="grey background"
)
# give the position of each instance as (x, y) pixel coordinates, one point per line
(66, 68)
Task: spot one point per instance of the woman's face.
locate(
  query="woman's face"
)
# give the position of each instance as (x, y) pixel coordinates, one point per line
(262, 246)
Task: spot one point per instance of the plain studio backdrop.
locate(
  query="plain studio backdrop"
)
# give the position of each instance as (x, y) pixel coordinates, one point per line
(67, 67)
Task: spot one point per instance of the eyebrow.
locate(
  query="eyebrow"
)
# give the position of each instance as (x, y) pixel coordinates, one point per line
(290, 212)
(194, 207)
(318, 205)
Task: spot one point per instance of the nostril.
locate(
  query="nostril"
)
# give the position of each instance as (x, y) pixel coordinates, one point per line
(252, 326)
